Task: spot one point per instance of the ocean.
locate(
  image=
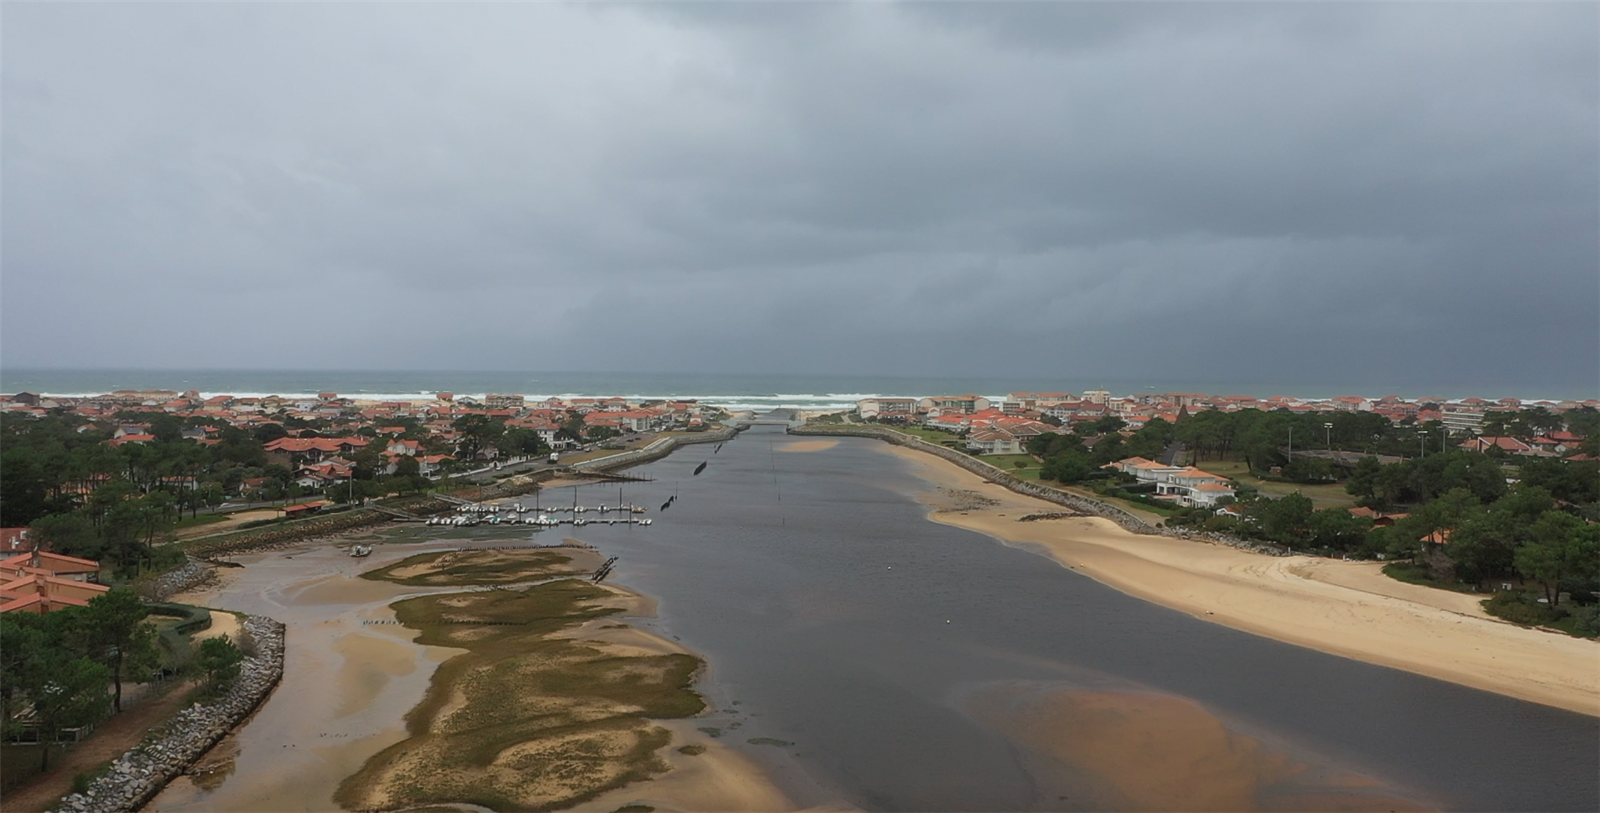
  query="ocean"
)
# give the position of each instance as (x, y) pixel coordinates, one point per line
(757, 392)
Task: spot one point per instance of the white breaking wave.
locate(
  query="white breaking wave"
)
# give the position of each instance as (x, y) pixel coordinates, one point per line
(735, 403)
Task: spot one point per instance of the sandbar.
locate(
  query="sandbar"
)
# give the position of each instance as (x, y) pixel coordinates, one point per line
(561, 703)
(1139, 751)
(1342, 608)
(808, 445)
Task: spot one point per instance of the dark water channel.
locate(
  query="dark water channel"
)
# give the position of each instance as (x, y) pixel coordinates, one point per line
(913, 666)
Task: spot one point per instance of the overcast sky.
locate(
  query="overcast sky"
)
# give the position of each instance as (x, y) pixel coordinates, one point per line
(1254, 192)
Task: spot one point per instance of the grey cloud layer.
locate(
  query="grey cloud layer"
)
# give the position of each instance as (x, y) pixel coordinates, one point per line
(1277, 191)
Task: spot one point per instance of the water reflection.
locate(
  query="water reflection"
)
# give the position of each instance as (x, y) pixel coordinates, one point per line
(218, 764)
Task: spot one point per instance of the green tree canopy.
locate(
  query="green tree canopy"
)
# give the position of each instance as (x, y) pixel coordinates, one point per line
(219, 658)
(113, 632)
(66, 692)
(1561, 545)
(1287, 519)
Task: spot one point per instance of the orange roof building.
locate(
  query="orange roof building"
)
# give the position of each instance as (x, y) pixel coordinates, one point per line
(42, 582)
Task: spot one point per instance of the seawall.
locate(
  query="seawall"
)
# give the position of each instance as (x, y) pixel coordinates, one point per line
(166, 752)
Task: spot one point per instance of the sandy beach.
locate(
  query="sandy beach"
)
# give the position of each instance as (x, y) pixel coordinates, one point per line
(1342, 608)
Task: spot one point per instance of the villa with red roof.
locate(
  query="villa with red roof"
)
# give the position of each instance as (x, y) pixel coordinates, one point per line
(41, 582)
(314, 449)
(1184, 484)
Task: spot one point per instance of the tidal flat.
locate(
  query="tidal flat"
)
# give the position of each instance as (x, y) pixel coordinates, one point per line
(904, 664)
(524, 718)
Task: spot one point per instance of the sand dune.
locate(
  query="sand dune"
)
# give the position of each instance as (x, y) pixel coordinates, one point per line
(1343, 608)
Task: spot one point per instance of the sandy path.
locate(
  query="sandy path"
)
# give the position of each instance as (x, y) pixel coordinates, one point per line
(1342, 608)
(222, 624)
(232, 523)
(110, 740)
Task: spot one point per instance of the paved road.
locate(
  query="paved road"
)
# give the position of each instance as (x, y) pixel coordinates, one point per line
(1171, 453)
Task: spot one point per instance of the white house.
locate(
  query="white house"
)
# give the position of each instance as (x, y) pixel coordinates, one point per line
(993, 441)
(636, 421)
(1186, 485)
(965, 404)
(884, 407)
(949, 423)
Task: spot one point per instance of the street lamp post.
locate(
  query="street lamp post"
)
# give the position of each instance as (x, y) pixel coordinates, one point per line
(1422, 443)
(1291, 445)
(1328, 435)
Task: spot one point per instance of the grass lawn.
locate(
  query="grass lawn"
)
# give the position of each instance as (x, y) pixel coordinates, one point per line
(1028, 471)
(935, 436)
(202, 519)
(1323, 495)
(221, 523)
(1413, 573)
(620, 447)
(1147, 513)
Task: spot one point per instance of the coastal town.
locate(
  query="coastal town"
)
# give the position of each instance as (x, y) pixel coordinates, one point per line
(1007, 426)
(315, 447)
(327, 440)
(1491, 505)
(1019, 415)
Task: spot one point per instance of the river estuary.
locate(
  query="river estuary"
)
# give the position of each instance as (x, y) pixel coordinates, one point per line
(886, 662)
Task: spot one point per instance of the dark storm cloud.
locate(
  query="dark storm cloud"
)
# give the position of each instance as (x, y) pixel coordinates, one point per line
(1257, 191)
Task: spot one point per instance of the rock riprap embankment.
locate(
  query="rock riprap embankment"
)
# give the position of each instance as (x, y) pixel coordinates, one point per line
(191, 576)
(283, 536)
(141, 773)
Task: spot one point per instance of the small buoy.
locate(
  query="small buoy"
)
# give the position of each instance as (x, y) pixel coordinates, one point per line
(947, 621)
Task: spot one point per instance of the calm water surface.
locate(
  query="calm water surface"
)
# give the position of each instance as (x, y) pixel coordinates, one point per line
(906, 662)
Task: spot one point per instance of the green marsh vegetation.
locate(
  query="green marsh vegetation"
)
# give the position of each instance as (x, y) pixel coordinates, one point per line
(525, 718)
(480, 567)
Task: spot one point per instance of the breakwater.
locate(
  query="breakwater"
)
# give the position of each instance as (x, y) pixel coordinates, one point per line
(656, 450)
(138, 775)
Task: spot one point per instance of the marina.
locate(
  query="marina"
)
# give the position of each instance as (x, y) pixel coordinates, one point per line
(470, 514)
(543, 519)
